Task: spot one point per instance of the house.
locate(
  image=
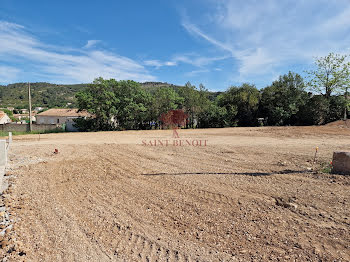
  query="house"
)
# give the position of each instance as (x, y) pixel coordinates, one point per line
(38, 109)
(61, 117)
(4, 118)
(21, 117)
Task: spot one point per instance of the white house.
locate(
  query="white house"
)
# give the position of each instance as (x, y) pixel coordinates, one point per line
(21, 117)
(4, 118)
(60, 117)
(38, 109)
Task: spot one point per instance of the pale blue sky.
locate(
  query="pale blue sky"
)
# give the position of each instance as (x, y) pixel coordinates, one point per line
(215, 42)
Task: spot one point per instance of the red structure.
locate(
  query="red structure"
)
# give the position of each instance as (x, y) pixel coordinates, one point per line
(174, 118)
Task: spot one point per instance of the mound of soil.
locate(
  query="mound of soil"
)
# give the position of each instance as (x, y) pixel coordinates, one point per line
(340, 123)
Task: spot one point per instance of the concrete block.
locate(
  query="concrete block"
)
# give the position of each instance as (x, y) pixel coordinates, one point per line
(341, 163)
(3, 152)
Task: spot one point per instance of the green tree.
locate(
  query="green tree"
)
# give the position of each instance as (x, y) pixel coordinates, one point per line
(114, 105)
(213, 116)
(100, 100)
(337, 105)
(203, 106)
(241, 104)
(132, 105)
(166, 99)
(203, 98)
(191, 98)
(314, 111)
(281, 102)
(331, 75)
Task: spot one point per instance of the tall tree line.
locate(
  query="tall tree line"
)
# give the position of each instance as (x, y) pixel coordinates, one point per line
(119, 105)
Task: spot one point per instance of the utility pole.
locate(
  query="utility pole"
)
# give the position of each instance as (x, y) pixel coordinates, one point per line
(30, 108)
(346, 104)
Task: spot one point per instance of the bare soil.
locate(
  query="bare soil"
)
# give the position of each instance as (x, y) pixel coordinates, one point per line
(248, 195)
(340, 123)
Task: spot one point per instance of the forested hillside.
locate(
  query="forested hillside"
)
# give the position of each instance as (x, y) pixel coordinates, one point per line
(43, 94)
(55, 95)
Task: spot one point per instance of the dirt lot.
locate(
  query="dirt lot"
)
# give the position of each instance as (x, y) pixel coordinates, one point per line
(248, 195)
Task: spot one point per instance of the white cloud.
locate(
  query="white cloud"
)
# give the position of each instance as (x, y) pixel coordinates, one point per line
(65, 65)
(197, 72)
(8, 74)
(158, 64)
(189, 58)
(198, 60)
(170, 63)
(265, 36)
(191, 28)
(91, 43)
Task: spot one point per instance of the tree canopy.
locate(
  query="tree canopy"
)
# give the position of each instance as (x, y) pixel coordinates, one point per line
(331, 74)
(281, 101)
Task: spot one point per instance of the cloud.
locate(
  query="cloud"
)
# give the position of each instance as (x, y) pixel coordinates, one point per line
(197, 72)
(8, 74)
(170, 63)
(339, 22)
(91, 43)
(198, 60)
(264, 37)
(63, 65)
(194, 30)
(158, 64)
(189, 58)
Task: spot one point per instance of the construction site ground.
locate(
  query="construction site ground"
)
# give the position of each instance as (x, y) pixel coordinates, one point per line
(243, 194)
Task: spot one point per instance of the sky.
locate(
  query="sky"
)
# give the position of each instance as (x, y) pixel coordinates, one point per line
(218, 43)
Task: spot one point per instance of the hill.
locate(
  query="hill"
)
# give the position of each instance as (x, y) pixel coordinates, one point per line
(56, 95)
(43, 94)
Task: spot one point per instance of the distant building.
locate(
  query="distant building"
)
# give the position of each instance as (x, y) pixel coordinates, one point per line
(21, 117)
(38, 108)
(24, 111)
(4, 118)
(61, 117)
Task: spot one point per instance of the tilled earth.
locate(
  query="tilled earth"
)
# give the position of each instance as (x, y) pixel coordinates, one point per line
(250, 194)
